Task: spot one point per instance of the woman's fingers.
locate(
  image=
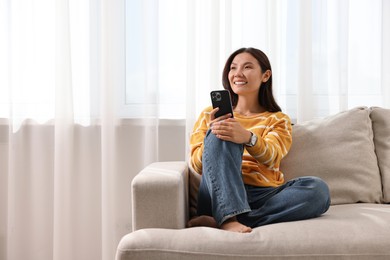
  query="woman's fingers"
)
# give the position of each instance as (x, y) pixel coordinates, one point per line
(222, 129)
(218, 119)
(230, 130)
(212, 114)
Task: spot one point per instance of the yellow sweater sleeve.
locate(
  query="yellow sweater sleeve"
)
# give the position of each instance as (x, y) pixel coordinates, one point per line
(260, 165)
(274, 139)
(196, 140)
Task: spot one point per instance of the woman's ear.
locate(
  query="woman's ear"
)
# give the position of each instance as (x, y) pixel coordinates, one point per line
(266, 75)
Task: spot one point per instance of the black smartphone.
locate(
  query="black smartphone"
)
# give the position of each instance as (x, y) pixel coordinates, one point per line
(221, 99)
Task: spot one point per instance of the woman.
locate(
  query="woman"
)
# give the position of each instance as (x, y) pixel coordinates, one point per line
(239, 157)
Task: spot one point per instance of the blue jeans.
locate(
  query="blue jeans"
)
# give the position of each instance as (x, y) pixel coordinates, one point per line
(223, 194)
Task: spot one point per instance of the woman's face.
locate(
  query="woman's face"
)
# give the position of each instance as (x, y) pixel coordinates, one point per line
(245, 75)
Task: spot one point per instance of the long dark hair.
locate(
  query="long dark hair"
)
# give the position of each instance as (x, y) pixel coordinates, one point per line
(266, 97)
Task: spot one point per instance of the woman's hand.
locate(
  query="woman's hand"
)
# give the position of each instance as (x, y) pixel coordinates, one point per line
(227, 128)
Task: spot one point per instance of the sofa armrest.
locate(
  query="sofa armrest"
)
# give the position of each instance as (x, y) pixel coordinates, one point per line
(160, 196)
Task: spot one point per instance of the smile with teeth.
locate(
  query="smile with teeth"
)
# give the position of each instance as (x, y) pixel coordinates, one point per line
(240, 82)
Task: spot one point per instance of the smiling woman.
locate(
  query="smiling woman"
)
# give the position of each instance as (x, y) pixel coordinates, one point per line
(241, 184)
(257, 62)
(246, 75)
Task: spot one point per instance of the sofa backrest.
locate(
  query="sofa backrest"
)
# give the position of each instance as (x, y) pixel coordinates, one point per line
(340, 150)
(381, 126)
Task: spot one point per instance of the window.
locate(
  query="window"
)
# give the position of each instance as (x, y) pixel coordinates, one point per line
(156, 62)
(326, 56)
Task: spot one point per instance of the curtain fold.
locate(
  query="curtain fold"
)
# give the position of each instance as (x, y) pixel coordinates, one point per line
(305, 71)
(112, 74)
(29, 206)
(385, 52)
(93, 91)
(65, 197)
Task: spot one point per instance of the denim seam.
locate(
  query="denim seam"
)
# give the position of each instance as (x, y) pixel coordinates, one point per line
(217, 191)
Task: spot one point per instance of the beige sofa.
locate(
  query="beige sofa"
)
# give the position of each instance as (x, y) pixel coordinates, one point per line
(349, 150)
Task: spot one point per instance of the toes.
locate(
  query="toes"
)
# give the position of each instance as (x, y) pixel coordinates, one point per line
(246, 230)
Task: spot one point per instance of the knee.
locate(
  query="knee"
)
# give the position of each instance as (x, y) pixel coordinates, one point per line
(215, 145)
(211, 139)
(316, 192)
(321, 193)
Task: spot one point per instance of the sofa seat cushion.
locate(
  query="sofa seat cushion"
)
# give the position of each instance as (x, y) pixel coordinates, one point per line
(352, 231)
(340, 150)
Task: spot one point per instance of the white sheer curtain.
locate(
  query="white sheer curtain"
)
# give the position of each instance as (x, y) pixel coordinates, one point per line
(327, 55)
(65, 183)
(92, 91)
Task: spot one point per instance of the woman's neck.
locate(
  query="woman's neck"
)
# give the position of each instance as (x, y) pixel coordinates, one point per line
(248, 107)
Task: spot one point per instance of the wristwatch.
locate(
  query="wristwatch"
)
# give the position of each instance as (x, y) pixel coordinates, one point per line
(253, 140)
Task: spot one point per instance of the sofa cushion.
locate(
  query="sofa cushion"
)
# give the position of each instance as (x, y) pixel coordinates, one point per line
(354, 231)
(381, 126)
(340, 150)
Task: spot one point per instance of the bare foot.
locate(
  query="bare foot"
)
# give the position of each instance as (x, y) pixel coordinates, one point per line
(202, 221)
(235, 226)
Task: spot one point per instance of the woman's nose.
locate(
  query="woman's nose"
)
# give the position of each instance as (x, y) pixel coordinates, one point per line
(238, 73)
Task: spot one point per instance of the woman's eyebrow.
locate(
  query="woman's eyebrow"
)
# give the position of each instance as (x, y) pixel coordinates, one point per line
(246, 63)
